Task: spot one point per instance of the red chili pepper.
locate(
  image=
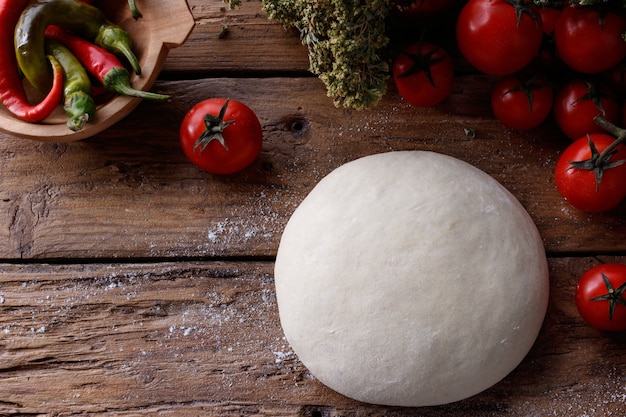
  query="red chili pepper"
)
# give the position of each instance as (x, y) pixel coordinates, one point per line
(12, 92)
(101, 64)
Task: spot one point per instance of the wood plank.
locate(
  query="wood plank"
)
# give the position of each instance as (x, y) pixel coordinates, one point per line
(251, 42)
(204, 337)
(130, 192)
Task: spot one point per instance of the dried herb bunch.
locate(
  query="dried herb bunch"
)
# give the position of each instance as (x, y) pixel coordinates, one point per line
(346, 41)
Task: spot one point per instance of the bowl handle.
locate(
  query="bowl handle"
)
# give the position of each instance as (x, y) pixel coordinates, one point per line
(177, 24)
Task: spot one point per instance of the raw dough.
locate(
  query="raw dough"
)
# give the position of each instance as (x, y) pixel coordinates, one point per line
(411, 279)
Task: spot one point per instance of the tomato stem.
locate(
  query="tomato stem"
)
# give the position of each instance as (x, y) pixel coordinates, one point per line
(618, 132)
(600, 161)
(215, 125)
(613, 296)
(422, 63)
(524, 6)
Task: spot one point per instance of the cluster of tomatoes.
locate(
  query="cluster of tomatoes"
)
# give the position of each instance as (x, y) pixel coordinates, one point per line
(566, 62)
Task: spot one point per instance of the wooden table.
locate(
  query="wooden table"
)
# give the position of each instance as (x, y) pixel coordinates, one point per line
(133, 284)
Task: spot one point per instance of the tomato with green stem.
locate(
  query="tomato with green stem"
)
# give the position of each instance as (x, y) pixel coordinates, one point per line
(580, 100)
(423, 74)
(601, 297)
(589, 38)
(221, 136)
(591, 173)
(499, 37)
(522, 102)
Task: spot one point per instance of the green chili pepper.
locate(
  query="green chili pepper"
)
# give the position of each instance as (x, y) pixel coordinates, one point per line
(134, 10)
(81, 18)
(79, 104)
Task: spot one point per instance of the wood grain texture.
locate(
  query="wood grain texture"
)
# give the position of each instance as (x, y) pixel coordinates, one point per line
(133, 284)
(134, 192)
(203, 338)
(241, 40)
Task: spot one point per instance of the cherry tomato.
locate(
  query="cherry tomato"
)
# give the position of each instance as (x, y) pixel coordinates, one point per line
(590, 41)
(221, 136)
(492, 39)
(423, 74)
(578, 102)
(522, 102)
(601, 297)
(580, 186)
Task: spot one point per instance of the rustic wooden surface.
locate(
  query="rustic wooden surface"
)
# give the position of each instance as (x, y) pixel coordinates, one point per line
(133, 284)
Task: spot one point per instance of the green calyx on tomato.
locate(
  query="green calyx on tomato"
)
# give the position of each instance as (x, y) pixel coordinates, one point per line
(614, 296)
(599, 161)
(523, 6)
(422, 63)
(215, 126)
(595, 94)
(423, 74)
(527, 84)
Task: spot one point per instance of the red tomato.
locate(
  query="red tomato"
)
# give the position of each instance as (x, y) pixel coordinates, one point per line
(521, 102)
(580, 185)
(423, 9)
(588, 41)
(221, 136)
(423, 74)
(600, 297)
(492, 39)
(578, 102)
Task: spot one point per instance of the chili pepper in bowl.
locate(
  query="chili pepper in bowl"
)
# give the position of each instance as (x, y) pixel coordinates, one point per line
(101, 64)
(81, 18)
(78, 103)
(134, 11)
(12, 92)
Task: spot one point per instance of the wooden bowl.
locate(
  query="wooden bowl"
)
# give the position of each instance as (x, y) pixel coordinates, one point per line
(165, 24)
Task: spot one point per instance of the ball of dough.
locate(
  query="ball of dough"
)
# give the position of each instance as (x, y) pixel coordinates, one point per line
(410, 279)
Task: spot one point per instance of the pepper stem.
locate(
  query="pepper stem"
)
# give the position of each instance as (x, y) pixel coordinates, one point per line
(80, 108)
(117, 80)
(117, 41)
